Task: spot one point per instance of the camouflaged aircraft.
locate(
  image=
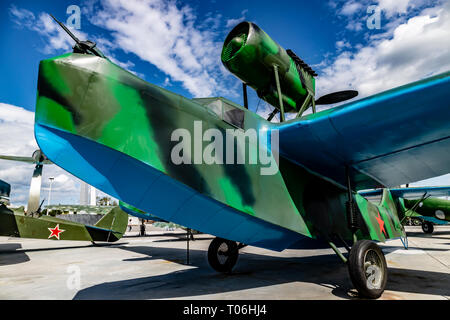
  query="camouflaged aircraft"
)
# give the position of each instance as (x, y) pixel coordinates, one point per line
(33, 224)
(116, 131)
(110, 228)
(419, 203)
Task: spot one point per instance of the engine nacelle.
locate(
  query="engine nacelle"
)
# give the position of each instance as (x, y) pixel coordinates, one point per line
(250, 54)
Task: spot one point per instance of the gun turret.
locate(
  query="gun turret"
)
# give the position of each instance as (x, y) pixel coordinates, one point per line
(85, 47)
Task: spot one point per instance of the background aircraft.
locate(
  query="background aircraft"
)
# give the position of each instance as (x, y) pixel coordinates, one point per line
(32, 224)
(420, 203)
(5, 190)
(18, 224)
(113, 130)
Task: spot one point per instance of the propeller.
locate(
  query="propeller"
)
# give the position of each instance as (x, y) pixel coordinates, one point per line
(39, 159)
(36, 158)
(336, 97)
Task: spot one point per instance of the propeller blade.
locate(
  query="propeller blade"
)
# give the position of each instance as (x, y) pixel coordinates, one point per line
(336, 97)
(20, 159)
(35, 191)
(37, 157)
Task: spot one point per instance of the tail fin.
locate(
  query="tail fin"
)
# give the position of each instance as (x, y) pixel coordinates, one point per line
(114, 221)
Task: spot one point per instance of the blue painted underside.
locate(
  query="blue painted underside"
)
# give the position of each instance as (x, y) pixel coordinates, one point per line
(411, 193)
(433, 220)
(392, 138)
(145, 216)
(150, 190)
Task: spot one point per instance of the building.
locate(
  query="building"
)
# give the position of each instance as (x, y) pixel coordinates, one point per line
(88, 195)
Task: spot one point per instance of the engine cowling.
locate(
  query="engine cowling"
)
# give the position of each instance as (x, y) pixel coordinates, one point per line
(250, 54)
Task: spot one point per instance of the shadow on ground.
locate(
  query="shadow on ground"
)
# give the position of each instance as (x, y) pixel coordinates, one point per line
(14, 256)
(252, 271)
(435, 234)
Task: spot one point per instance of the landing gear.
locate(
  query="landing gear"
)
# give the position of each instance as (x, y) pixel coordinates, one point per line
(368, 269)
(427, 227)
(223, 255)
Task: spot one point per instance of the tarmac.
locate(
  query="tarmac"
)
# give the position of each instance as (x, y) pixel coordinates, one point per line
(155, 267)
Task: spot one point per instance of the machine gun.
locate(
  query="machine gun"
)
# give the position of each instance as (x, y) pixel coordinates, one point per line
(85, 47)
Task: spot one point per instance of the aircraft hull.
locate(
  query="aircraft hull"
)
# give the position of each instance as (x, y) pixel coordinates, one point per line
(114, 131)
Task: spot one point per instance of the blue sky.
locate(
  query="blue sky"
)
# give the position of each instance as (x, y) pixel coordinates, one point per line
(177, 44)
(305, 26)
(318, 31)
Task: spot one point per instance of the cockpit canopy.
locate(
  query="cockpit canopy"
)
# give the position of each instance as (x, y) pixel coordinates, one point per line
(225, 110)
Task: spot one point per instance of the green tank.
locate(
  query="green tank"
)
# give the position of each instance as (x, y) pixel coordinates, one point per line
(250, 54)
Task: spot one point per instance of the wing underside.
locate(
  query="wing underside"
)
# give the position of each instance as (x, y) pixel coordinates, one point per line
(393, 138)
(411, 193)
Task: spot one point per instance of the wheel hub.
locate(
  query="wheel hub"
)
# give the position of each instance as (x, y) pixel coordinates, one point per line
(373, 270)
(222, 253)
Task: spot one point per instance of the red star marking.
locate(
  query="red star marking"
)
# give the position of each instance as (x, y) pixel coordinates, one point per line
(381, 223)
(55, 232)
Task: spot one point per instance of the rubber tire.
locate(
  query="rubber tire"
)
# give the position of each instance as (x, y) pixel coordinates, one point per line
(427, 227)
(357, 272)
(214, 262)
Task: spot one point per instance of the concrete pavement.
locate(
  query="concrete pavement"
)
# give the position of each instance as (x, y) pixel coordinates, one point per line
(154, 267)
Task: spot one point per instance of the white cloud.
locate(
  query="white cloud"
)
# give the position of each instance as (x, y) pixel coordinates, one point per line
(17, 124)
(54, 36)
(166, 36)
(350, 8)
(413, 50)
(441, 181)
(342, 44)
(234, 22)
(354, 26)
(391, 7)
(22, 17)
(394, 12)
(57, 39)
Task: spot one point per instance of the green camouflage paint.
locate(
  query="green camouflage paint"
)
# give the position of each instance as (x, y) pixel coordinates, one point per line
(430, 207)
(98, 100)
(16, 224)
(144, 118)
(382, 219)
(250, 54)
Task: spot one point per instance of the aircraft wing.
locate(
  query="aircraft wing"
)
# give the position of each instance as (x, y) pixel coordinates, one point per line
(411, 193)
(23, 159)
(433, 220)
(392, 138)
(20, 159)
